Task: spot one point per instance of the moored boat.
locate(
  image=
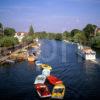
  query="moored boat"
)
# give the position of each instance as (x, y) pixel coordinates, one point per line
(54, 80)
(38, 63)
(40, 79)
(20, 57)
(86, 52)
(46, 66)
(58, 91)
(46, 72)
(31, 58)
(42, 90)
(66, 41)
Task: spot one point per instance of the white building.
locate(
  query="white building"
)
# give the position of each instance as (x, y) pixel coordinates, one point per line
(20, 35)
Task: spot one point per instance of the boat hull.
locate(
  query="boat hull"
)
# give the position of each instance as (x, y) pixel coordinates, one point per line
(54, 80)
(42, 90)
(86, 56)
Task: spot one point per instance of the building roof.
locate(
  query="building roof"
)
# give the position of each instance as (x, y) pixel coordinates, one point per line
(19, 33)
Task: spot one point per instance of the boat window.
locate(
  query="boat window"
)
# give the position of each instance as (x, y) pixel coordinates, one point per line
(93, 53)
(40, 78)
(60, 90)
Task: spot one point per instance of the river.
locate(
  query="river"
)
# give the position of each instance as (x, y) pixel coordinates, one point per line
(81, 78)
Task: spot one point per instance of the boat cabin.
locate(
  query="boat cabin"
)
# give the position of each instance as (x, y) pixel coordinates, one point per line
(40, 79)
(58, 91)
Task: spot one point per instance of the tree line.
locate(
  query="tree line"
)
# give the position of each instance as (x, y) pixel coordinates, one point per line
(86, 36)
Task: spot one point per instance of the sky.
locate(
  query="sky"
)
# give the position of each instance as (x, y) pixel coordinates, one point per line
(49, 15)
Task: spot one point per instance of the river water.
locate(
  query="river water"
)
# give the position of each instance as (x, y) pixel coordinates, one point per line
(81, 78)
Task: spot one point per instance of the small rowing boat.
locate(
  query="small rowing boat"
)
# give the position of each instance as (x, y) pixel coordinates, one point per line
(40, 79)
(42, 90)
(54, 80)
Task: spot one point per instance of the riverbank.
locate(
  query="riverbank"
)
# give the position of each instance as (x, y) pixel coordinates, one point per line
(12, 55)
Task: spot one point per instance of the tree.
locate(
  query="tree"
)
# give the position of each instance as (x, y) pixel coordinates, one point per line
(1, 29)
(31, 31)
(9, 31)
(95, 42)
(80, 38)
(89, 30)
(66, 35)
(58, 36)
(8, 41)
(1, 26)
(74, 31)
(27, 38)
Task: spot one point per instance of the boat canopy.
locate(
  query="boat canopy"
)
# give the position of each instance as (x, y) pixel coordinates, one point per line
(58, 91)
(46, 72)
(40, 79)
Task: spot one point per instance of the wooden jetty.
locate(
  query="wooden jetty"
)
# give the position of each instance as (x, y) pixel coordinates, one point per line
(8, 58)
(3, 59)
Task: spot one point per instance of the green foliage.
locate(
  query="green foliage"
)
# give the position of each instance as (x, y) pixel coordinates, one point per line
(75, 35)
(8, 41)
(28, 38)
(58, 36)
(9, 31)
(1, 29)
(66, 35)
(95, 42)
(98, 34)
(51, 36)
(31, 30)
(74, 31)
(1, 26)
(41, 35)
(80, 38)
(89, 30)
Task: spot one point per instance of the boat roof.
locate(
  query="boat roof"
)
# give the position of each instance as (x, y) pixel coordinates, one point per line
(46, 72)
(39, 76)
(87, 49)
(46, 66)
(40, 79)
(59, 86)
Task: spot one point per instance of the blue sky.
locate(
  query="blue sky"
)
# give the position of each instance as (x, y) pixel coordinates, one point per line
(49, 15)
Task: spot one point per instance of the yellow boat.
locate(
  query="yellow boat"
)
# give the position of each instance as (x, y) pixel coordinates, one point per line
(31, 58)
(46, 66)
(58, 91)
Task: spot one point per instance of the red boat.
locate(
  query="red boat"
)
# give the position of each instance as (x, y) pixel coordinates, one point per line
(54, 80)
(42, 90)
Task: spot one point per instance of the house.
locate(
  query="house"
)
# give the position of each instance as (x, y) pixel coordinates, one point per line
(20, 35)
(97, 30)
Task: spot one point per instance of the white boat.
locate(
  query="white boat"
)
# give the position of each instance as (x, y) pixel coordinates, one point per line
(66, 41)
(86, 52)
(10, 61)
(40, 79)
(38, 63)
(46, 72)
